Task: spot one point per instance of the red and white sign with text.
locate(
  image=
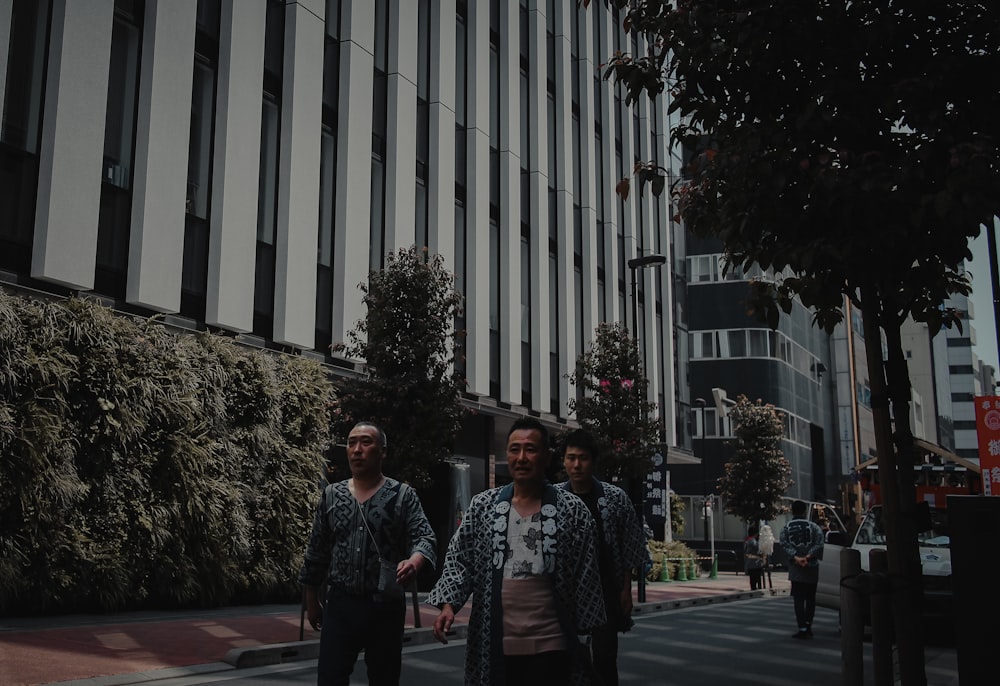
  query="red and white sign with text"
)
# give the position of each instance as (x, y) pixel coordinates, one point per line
(988, 430)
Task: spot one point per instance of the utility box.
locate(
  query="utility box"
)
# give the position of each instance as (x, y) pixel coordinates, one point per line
(973, 523)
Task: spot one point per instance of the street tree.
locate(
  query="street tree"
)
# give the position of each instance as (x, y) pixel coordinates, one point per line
(611, 404)
(851, 146)
(757, 475)
(409, 345)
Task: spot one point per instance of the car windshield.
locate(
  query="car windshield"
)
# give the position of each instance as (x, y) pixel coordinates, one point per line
(872, 530)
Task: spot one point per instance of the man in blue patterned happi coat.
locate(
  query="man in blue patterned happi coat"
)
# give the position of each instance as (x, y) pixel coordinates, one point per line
(370, 537)
(621, 546)
(527, 555)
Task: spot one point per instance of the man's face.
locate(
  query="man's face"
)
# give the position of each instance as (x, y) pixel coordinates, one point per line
(364, 452)
(579, 466)
(527, 456)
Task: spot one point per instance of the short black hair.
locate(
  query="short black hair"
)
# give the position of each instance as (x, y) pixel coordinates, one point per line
(382, 438)
(584, 440)
(799, 508)
(530, 424)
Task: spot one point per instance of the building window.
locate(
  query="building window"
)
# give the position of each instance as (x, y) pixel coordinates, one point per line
(328, 179)
(267, 190)
(194, 275)
(20, 131)
(119, 147)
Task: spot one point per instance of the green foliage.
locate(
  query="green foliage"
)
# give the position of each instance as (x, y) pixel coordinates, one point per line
(611, 404)
(677, 508)
(673, 549)
(409, 344)
(143, 468)
(757, 476)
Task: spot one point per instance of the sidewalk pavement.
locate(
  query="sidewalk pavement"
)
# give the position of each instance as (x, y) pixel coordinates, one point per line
(139, 647)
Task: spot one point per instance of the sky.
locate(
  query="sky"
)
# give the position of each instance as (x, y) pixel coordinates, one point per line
(982, 302)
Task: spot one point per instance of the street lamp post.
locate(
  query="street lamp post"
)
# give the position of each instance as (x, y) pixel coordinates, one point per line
(700, 402)
(635, 264)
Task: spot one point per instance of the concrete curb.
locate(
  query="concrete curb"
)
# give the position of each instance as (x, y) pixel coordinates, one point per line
(279, 653)
(130, 678)
(678, 603)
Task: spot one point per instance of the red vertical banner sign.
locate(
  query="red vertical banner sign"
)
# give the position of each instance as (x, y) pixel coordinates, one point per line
(988, 431)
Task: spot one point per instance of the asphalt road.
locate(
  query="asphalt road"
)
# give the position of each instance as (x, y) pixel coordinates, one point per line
(746, 642)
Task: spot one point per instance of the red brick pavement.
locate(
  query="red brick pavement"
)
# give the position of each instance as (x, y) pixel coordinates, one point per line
(48, 650)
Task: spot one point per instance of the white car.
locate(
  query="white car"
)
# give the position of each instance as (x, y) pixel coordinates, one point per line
(935, 559)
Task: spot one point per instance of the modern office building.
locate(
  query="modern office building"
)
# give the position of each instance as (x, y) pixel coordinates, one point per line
(790, 368)
(240, 165)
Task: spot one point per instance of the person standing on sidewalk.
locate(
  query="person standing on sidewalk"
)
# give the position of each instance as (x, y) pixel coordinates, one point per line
(527, 555)
(369, 538)
(621, 546)
(802, 541)
(753, 559)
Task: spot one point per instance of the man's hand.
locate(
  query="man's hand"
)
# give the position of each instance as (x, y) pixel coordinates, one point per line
(406, 570)
(443, 622)
(626, 602)
(314, 613)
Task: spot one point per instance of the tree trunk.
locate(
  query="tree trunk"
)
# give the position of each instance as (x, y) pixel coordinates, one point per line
(910, 596)
(907, 637)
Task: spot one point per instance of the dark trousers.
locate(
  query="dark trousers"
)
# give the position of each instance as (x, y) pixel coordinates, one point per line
(804, 597)
(604, 641)
(352, 624)
(756, 579)
(604, 649)
(543, 669)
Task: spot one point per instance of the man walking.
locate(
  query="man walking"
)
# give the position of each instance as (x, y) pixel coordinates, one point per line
(370, 536)
(620, 545)
(526, 555)
(802, 541)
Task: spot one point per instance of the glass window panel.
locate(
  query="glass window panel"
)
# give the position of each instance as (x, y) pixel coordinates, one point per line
(268, 186)
(494, 276)
(327, 197)
(119, 129)
(494, 99)
(274, 39)
(22, 102)
(758, 343)
(376, 237)
(554, 317)
(525, 127)
(333, 18)
(200, 142)
(525, 287)
(423, 49)
(421, 236)
(550, 123)
(461, 177)
(460, 51)
(460, 249)
(208, 16)
(382, 34)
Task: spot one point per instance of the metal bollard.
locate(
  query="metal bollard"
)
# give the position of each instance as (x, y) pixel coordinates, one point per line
(881, 611)
(852, 619)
